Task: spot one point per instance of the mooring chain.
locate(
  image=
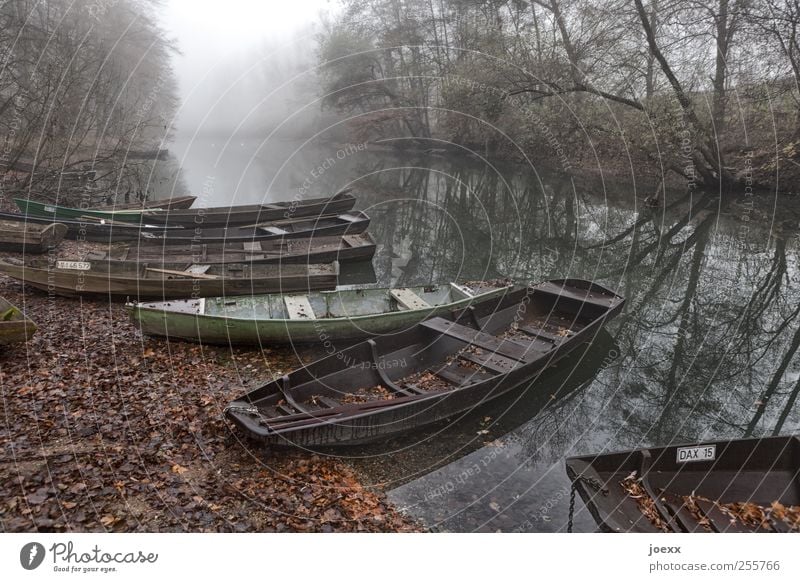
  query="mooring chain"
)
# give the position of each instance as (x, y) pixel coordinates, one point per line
(591, 482)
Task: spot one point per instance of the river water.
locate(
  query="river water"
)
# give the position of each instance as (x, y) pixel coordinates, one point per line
(706, 347)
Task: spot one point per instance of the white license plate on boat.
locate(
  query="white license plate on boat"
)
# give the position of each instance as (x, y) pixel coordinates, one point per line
(74, 265)
(49, 209)
(693, 454)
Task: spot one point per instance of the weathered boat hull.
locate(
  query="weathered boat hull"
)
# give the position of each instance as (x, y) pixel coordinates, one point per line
(93, 231)
(28, 237)
(344, 249)
(253, 213)
(151, 282)
(219, 217)
(217, 329)
(53, 211)
(15, 326)
(755, 471)
(177, 203)
(381, 362)
(322, 226)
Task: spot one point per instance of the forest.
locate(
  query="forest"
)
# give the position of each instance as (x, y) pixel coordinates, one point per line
(704, 92)
(86, 91)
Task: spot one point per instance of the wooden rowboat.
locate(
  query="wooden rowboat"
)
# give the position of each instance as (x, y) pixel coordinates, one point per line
(161, 281)
(221, 216)
(14, 325)
(177, 203)
(344, 249)
(345, 315)
(29, 237)
(723, 486)
(54, 211)
(227, 216)
(333, 225)
(93, 229)
(438, 368)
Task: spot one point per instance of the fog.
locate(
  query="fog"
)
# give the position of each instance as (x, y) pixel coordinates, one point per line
(246, 67)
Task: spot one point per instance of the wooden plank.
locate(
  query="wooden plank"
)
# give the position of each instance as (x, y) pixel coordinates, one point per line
(460, 291)
(407, 299)
(541, 333)
(681, 516)
(298, 307)
(252, 247)
(274, 230)
(461, 376)
(492, 361)
(413, 388)
(478, 338)
(349, 217)
(574, 293)
(721, 522)
(353, 241)
(325, 401)
(182, 273)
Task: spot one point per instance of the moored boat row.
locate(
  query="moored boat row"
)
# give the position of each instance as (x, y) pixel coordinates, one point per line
(173, 213)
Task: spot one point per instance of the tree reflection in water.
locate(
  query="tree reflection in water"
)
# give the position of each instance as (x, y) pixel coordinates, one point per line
(709, 338)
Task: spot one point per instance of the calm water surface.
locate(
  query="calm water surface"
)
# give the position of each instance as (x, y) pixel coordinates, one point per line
(706, 347)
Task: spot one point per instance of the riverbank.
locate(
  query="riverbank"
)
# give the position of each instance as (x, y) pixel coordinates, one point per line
(106, 430)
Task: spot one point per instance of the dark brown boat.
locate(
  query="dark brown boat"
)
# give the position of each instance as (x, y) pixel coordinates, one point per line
(429, 372)
(228, 216)
(325, 249)
(91, 229)
(127, 280)
(723, 486)
(177, 203)
(333, 225)
(29, 237)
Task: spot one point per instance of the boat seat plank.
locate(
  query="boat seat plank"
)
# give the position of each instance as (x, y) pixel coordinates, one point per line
(460, 375)
(198, 269)
(298, 307)
(574, 293)
(285, 410)
(492, 361)
(274, 230)
(719, 521)
(327, 402)
(349, 217)
(478, 338)
(681, 516)
(353, 241)
(460, 291)
(407, 299)
(182, 273)
(413, 388)
(538, 332)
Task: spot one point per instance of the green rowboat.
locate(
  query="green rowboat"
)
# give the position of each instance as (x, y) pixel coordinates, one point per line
(321, 318)
(33, 208)
(14, 325)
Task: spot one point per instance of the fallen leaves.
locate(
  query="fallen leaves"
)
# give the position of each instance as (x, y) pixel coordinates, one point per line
(111, 431)
(749, 515)
(634, 488)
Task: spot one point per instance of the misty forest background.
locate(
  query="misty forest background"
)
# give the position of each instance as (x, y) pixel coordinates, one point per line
(704, 91)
